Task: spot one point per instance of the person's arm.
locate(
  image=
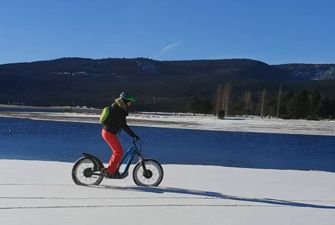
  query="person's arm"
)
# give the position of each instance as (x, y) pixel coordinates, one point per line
(128, 130)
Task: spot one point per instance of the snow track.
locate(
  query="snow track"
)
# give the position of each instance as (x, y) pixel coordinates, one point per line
(39, 192)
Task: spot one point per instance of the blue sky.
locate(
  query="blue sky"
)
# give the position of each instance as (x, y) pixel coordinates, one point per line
(271, 31)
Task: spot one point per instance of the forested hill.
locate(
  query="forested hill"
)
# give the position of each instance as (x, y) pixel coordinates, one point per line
(141, 67)
(159, 85)
(310, 71)
(129, 69)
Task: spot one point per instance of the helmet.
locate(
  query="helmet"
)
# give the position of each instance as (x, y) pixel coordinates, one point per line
(127, 97)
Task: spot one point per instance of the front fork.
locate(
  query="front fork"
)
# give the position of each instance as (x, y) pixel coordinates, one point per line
(146, 172)
(143, 164)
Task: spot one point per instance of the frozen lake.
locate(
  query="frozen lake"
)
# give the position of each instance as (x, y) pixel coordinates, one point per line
(65, 141)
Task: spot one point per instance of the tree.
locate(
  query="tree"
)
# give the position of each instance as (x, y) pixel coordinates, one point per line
(327, 108)
(222, 98)
(315, 104)
(247, 101)
(200, 106)
(298, 106)
(226, 97)
(263, 102)
(278, 101)
(219, 99)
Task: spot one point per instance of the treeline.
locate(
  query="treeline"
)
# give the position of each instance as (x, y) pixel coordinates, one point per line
(305, 104)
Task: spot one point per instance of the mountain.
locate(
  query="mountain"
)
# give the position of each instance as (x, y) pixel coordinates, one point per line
(310, 71)
(159, 85)
(145, 68)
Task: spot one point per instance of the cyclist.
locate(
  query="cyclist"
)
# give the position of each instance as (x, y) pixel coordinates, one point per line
(118, 113)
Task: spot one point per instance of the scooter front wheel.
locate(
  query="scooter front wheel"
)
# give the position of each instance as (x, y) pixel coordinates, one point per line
(84, 172)
(152, 176)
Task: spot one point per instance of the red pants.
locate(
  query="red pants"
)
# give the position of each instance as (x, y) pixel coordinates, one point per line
(117, 149)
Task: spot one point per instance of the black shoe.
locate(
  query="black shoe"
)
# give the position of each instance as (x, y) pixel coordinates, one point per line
(104, 172)
(116, 175)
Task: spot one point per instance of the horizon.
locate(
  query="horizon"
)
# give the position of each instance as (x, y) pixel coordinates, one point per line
(131, 58)
(276, 33)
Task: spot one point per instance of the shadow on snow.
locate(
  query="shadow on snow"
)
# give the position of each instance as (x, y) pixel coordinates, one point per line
(217, 195)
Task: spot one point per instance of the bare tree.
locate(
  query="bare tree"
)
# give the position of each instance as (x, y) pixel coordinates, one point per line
(226, 97)
(222, 98)
(263, 101)
(219, 99)
(278, 102)
(247, 100)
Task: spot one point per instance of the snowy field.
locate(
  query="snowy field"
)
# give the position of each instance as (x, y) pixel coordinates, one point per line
(39, 192)
(199, 122)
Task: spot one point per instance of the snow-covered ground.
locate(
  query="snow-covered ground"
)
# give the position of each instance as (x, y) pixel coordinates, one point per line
(200, 122)
(237, 124)
(39, 192)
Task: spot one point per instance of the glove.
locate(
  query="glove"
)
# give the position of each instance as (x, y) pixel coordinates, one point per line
(136, 138)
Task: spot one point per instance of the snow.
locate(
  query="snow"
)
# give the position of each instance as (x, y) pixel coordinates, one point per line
(41, 192)
(241, 124)
(198, 122)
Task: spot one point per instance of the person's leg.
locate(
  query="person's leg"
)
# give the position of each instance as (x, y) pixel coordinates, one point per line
(117, 149)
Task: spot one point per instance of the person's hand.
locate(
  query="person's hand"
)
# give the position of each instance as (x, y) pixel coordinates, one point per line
(136, 138)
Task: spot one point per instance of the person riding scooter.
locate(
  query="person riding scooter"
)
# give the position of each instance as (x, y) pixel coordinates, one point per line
(117, 121)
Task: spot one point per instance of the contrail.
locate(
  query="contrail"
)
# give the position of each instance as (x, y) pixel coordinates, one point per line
(169, 47)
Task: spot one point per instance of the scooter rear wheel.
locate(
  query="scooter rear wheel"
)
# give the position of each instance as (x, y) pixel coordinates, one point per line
(84, 173)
